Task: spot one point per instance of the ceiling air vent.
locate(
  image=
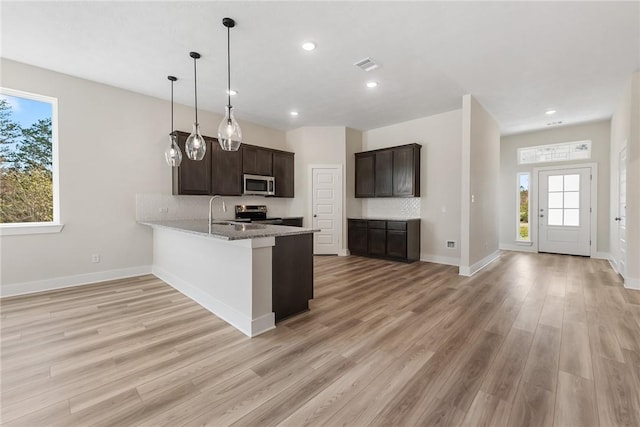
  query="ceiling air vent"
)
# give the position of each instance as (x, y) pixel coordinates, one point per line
(366, 64)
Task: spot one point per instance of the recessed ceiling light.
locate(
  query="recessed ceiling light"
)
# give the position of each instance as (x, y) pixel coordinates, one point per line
(372, 84)
(308, 45)
(232, 92)
(550, 112)
(294, 113)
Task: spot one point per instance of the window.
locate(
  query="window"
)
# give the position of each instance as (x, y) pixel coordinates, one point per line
(564, 200)
(28, 162)
(562, 152)
(523, 207)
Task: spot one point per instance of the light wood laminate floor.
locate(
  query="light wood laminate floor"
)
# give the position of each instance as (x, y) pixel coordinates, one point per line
(534, 339)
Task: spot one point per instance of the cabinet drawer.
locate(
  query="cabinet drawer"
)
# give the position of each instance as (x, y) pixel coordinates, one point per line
(397, 225)
(378, 224)
(357, 223)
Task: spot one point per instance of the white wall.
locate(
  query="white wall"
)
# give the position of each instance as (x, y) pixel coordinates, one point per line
(353, 145)
(317, 146)
(480, 174)
(439, 204)
(597, 132)
(625, 128)
(111, 144)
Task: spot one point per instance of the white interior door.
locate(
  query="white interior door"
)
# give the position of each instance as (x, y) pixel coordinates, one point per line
(621, 260)
(564, 211)
(327, 209)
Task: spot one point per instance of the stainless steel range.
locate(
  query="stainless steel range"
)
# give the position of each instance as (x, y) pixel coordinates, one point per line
(255, 213)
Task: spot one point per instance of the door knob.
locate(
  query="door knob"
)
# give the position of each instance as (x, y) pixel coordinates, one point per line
(617, 218)
(541, 215)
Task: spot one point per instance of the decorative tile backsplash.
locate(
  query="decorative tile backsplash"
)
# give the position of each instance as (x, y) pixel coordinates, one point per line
(405, 207)
(156, 207)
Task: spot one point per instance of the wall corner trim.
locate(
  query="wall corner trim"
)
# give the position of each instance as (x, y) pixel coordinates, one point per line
(631, 283)
(25, 288)
(473, 269)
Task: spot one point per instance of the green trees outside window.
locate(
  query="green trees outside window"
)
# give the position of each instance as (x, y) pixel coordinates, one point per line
(26, 161)
(523, 190)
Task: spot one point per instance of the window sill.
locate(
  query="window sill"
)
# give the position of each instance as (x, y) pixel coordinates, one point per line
(524, 243)
(30, 228)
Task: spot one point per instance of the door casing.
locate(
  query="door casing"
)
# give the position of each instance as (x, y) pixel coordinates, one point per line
(533, 191)
(341, 222)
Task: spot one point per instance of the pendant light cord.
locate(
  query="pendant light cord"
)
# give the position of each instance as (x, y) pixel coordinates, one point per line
(171, 107)
(228, 68)
(195, 86)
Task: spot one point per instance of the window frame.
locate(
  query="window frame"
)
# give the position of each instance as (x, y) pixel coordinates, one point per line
(55, 226)
(518, 175)
(558, 145)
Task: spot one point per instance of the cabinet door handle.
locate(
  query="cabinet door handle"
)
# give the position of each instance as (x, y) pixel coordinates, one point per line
(315, 216)
(617, 218)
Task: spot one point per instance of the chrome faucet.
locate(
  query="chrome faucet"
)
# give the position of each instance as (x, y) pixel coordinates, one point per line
(224, 207)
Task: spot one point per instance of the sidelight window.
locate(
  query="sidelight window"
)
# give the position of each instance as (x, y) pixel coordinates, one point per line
(523, 207)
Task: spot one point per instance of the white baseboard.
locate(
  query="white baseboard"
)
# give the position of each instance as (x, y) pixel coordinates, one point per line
(517, 247)
(601, 255)
(631, 283)
(437, 259)
(24, 288)
(613, 264)
(473, 269)
(343, 252)
(246, 325)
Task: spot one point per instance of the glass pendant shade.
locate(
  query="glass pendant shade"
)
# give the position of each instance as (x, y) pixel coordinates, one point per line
(173, 155)
(229, 132)
(196, 147)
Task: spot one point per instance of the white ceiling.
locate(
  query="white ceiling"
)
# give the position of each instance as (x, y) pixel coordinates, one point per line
(518, 58)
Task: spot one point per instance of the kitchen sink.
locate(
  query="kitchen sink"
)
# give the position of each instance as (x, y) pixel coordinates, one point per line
(239, 226)
(223, 223)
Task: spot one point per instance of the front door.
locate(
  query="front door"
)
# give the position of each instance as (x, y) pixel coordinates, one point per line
(327, 209)
(564, 211)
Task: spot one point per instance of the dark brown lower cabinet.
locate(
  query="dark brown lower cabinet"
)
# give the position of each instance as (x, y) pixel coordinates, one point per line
(292, 222)
(292, 275)
(399, 240)
(396, 244)
(357, 235)
(377, 241)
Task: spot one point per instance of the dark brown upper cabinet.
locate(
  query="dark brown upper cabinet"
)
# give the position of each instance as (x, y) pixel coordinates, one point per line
(389, 172)
(406, 171)
(257, 160)
(365, 174)
(220, 172)
(226, 171)
(192, 177)
(283, 172)
(384, 173)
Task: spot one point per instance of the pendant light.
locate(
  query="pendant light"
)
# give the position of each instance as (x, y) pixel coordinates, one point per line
(195, 146)
(173, 155)
(229, 132)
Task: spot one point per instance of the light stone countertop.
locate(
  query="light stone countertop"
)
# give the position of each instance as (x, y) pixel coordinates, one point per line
(228, 230)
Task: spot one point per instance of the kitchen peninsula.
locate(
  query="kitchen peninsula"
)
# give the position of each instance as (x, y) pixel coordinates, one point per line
(249, 275)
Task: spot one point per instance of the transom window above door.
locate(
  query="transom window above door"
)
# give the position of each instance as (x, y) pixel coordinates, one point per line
(564, 200)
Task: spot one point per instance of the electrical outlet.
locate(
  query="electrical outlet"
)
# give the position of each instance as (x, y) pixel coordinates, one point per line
(163, 210)
(451, 244)
(95, 258)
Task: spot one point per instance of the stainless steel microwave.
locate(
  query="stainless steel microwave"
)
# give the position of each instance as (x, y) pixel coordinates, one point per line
(260, 185)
